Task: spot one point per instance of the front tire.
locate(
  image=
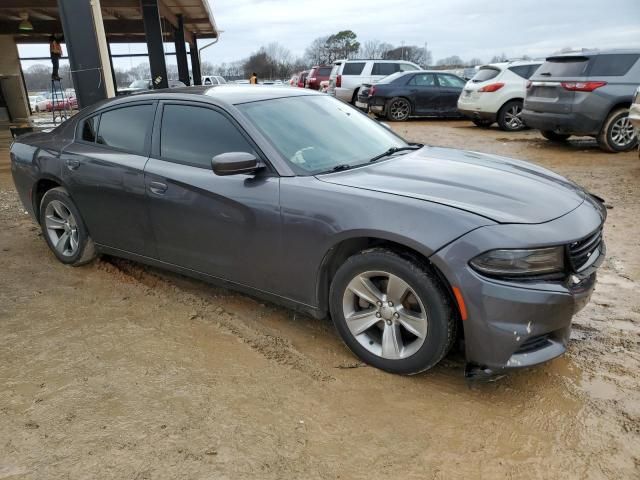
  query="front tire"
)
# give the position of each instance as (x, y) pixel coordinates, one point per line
(617, 134)
(398, 109)
(64, 230)
(555, 137)
(510, 116)
(392, 312)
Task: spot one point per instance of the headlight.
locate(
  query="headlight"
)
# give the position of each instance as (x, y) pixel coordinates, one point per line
(519, 263)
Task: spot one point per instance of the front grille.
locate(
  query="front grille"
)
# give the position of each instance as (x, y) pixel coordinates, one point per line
(534, 343)
(580, 252)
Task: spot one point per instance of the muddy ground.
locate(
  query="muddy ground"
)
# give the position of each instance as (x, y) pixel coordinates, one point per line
(114, 370)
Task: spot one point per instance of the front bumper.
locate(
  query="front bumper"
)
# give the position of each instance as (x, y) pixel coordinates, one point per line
(515, 324)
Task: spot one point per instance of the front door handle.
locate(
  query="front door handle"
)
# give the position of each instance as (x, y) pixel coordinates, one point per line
(72, 164)
(158, 188)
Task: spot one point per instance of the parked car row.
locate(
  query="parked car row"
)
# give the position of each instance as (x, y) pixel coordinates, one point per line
(44, 102)
(587, 94)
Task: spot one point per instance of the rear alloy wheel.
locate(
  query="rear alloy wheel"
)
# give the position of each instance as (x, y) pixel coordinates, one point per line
(618, 133)
(64, 230)
(478, 122)
(398, 109)
(510, 116)
(555, 137)
(391, 312)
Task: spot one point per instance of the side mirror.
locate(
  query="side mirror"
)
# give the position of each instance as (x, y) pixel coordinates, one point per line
(234, 163)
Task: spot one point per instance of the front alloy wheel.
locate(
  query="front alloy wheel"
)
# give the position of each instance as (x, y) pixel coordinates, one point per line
(392, 311)
(385, 315)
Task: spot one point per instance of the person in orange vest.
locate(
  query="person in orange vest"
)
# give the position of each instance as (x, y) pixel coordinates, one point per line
(56, 52)
(254, 79)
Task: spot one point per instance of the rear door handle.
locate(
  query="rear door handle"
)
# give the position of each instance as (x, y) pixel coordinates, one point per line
(72, 164)
(158, 188)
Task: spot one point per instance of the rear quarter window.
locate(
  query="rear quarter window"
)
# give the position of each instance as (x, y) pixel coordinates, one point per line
(612, 65)
(353, 68)
(384, 68)
(524, 71)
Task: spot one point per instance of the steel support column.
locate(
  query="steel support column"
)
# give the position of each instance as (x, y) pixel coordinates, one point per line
(195, 62)
(181, 52)
(84, 52)
(153, 33)
(113, 72)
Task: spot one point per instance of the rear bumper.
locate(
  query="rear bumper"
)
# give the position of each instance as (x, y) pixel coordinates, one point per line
(515, 324)
(477, 115)
(572, 123)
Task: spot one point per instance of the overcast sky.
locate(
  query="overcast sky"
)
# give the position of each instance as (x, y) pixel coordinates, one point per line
(468, 28)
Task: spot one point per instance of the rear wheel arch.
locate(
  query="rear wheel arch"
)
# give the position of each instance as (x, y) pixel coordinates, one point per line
(340, 252)
(42, 186)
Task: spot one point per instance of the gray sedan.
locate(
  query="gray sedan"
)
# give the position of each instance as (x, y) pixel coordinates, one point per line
(296, 197)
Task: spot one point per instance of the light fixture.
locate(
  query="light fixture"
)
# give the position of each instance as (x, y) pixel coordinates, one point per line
(25, 25)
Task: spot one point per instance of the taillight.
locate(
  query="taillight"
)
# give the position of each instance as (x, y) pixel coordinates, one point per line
(372, 91)
(582, 86)
(312, 79)
(492, 87)
(339, 81)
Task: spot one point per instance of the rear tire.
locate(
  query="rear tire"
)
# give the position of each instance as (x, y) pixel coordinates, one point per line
(478, 122)
(406, 322)
(510, 116)
(555, 137)
(64, 230)
(398, 109)
(617, 134)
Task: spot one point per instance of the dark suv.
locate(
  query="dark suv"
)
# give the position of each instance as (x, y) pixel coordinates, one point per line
(318, 74)
(587, 93)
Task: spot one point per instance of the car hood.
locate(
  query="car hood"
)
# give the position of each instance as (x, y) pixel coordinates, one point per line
(501, 189)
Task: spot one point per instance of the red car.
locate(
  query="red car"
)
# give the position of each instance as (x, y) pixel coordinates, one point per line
(302, 78)
(318, 74)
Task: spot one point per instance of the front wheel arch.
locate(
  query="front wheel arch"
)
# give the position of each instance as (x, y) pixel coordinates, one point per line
(346, 248)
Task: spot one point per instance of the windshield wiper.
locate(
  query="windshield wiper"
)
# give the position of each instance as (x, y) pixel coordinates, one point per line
(545, 74)
(393, 150)
(339, 168)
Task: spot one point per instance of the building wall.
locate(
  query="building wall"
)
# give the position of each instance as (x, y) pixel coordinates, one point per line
(15, 96)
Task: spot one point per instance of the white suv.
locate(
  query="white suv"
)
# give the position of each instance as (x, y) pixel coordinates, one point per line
(347, 76)
(495, 94)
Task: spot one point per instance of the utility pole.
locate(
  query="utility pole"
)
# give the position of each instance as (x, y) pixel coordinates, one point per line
(402, 50)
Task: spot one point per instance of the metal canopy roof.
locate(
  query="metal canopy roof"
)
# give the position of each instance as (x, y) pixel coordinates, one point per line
(122, 19)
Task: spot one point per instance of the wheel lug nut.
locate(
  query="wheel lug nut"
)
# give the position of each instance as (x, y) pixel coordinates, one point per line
(396, 315)
(379, 304)
(378, 314)
(390, 304)
(388, 322)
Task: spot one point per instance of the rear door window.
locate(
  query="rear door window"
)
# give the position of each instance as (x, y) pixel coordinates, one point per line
(484, 74)
(353, 68)
(423, 80)
(407, 67)
(324, 71)
(450, 81)
(570, 66)
(126, 128)
(384, 68)
(612, 65)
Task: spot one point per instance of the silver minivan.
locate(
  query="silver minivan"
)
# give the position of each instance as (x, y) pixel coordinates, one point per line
(347, 76)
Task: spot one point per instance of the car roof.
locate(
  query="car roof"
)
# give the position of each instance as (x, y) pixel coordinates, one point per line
(377, 60)
(595, 51)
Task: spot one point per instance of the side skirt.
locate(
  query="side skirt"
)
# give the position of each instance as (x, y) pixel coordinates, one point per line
(315, 312)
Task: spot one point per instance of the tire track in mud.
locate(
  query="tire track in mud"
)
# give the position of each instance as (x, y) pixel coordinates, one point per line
(272, 347)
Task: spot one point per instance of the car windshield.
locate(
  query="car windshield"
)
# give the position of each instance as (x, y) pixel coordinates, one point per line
(316, 134)
(139, 84)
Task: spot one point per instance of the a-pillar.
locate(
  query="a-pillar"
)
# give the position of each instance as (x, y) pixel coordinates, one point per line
(155, 49)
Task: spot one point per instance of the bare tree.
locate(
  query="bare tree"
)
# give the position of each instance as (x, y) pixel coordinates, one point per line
(475, 62)
(452, 61)
(316, 53)
(499, 58)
